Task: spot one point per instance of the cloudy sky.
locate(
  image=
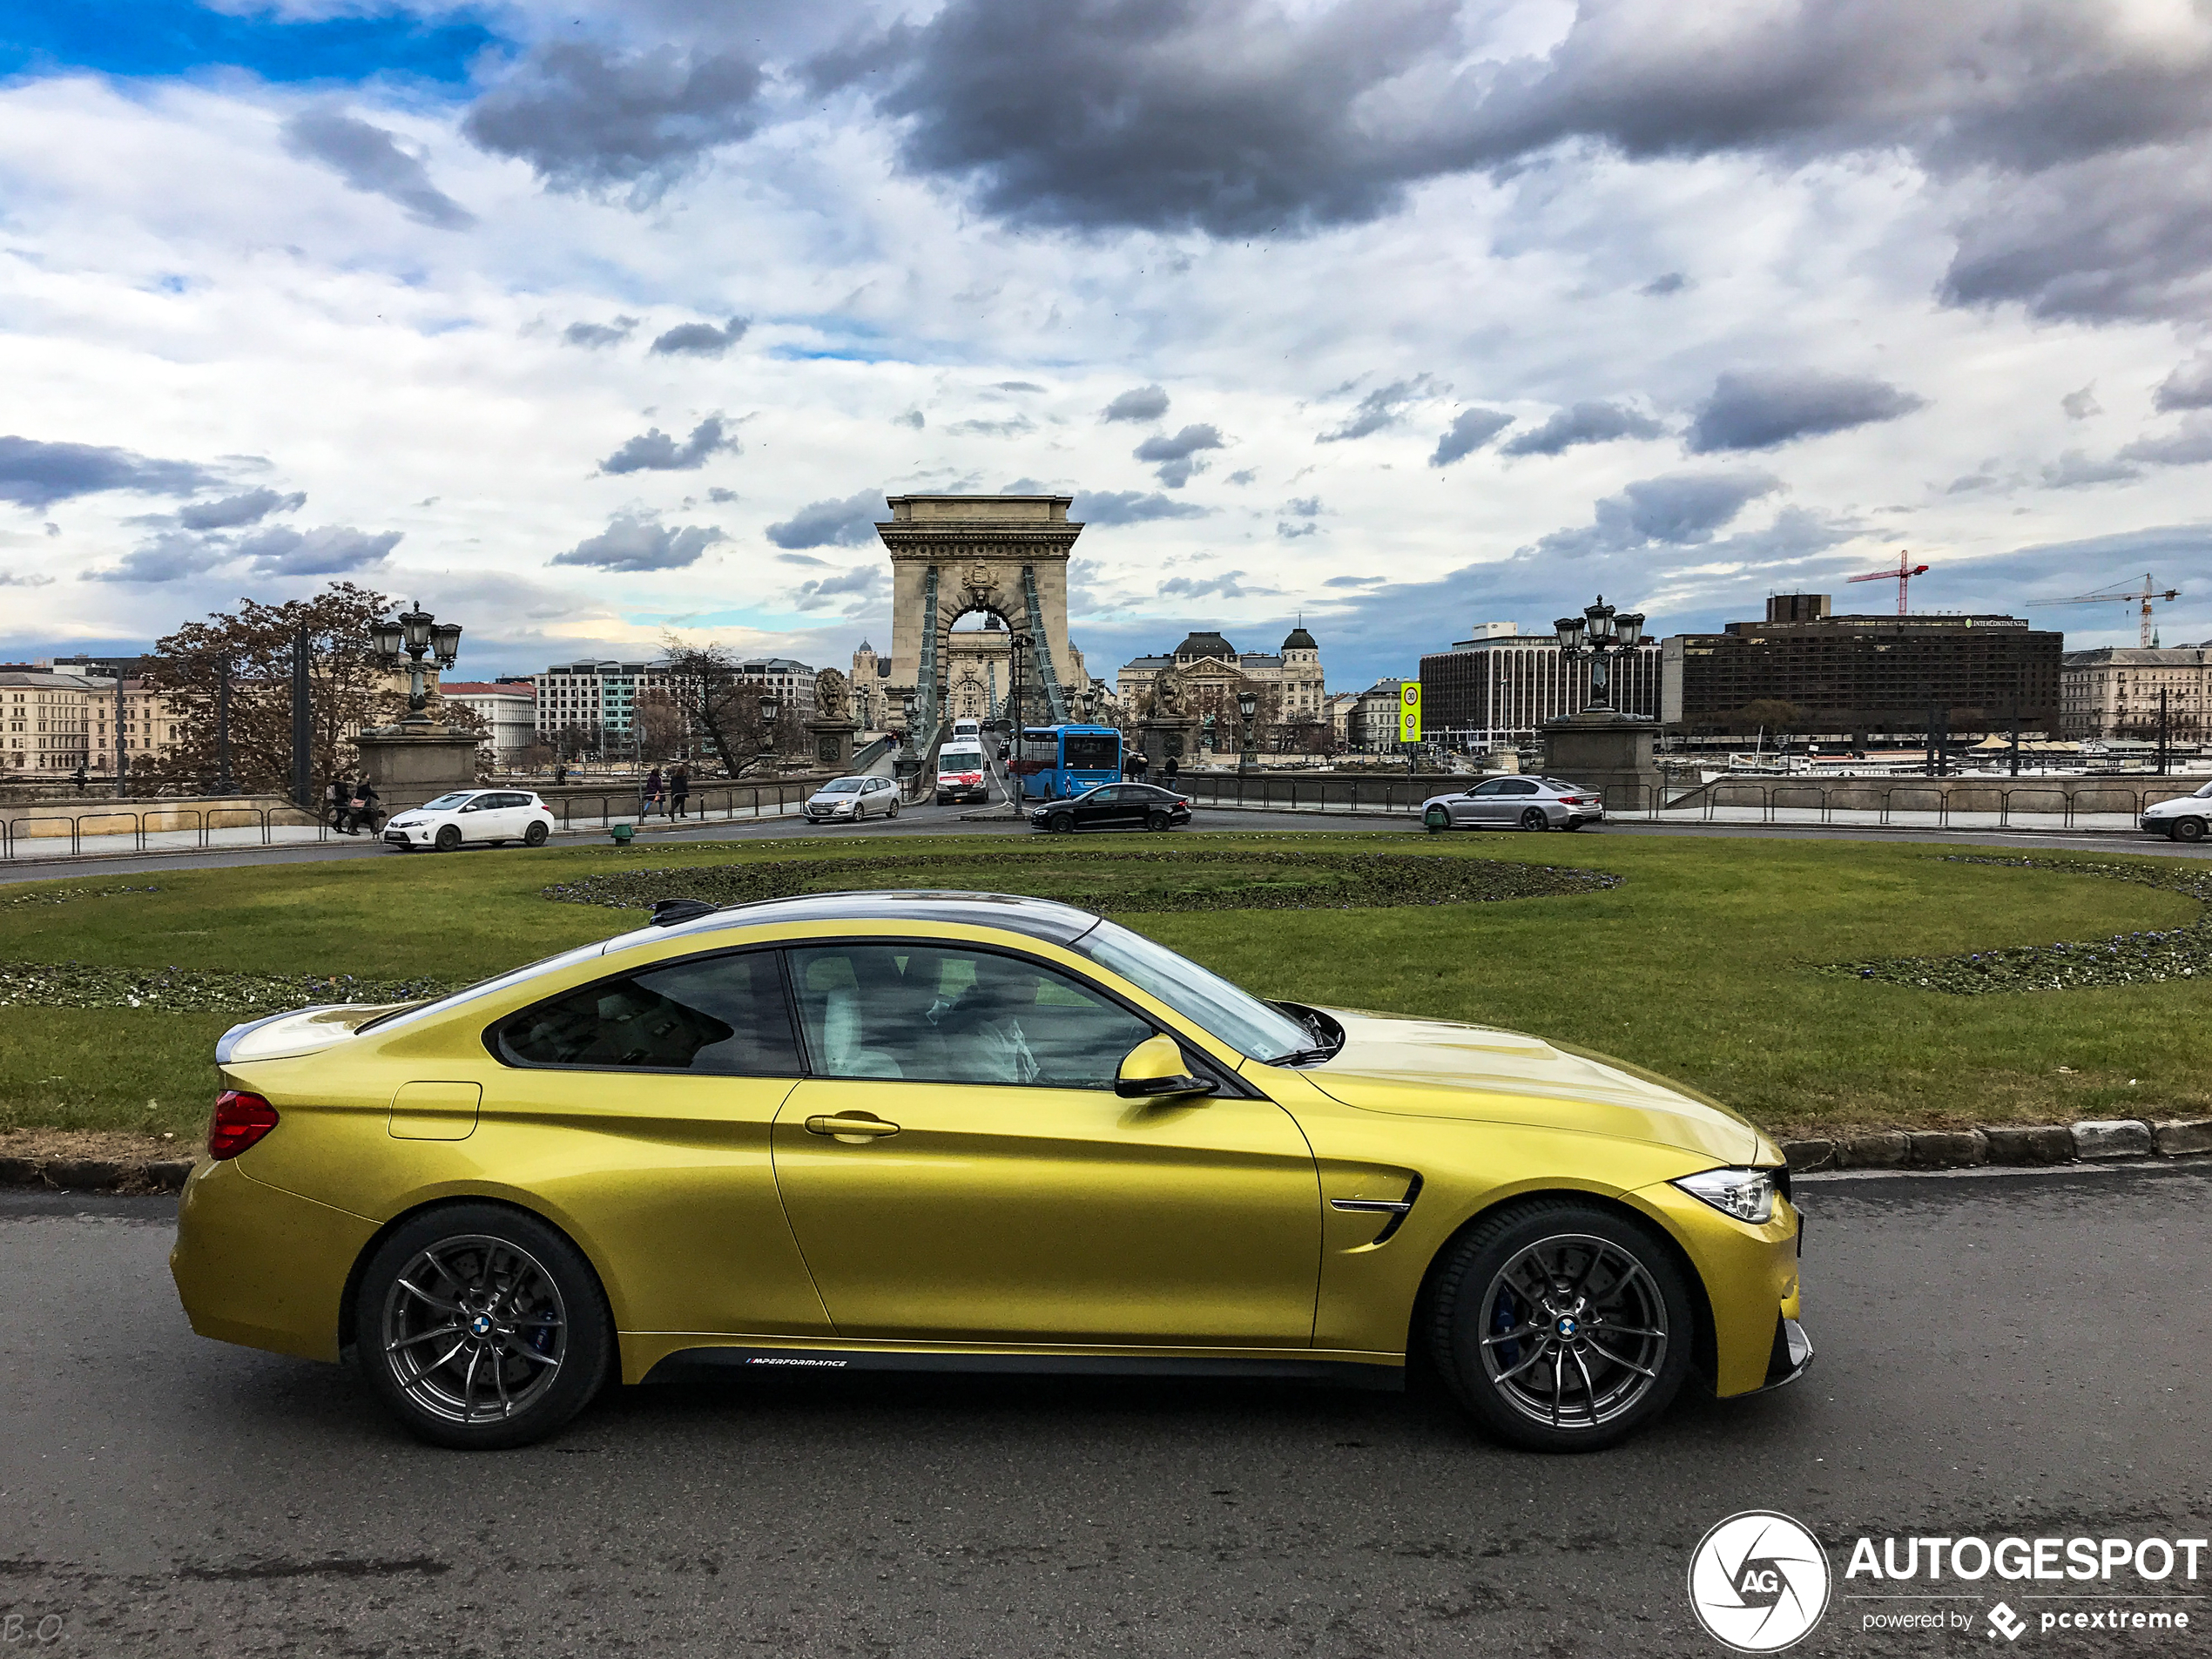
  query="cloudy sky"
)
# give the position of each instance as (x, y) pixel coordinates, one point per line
(583, 323)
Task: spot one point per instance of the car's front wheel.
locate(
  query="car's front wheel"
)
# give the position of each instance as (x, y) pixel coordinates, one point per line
(1561, 1326)
(1063, 823)
(448, 837)
(535, 835)
(481, 1327)
(1534, 818)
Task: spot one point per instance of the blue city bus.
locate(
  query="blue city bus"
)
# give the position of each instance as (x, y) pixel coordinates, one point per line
(1052, 762)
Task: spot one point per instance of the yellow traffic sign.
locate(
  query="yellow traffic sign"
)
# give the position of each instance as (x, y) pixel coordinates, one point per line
(1409, 712)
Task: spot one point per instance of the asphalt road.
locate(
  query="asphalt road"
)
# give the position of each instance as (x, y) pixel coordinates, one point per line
(948, 820)
(1998, 1354)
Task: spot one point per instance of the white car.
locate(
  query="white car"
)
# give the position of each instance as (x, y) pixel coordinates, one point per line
(847, 800)
(493, 816)
(2182, 818)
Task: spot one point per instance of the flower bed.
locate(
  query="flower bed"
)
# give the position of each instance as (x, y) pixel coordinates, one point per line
(181, 990)
(2142, 958)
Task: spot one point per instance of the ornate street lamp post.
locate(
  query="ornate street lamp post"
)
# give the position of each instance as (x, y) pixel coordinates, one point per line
(417, 634)
(1601, 635)
(770, 708)
(1247, 706)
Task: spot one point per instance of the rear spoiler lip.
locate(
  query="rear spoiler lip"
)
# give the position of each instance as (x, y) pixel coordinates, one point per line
(226, 1045)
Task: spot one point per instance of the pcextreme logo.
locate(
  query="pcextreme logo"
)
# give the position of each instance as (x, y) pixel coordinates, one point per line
(1758, 1582)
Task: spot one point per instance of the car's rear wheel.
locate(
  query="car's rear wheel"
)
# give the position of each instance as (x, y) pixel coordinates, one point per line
(1560, 1326)
(2189, 829)
(1436, 820)
(535, 835)
(1534, 818)
(448, 837)
(1158, 821)
(481, 1327)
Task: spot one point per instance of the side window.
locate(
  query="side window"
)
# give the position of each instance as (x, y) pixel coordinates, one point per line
(724, 1015)
(1521, 787)
(933, 1015)
(1495, 786)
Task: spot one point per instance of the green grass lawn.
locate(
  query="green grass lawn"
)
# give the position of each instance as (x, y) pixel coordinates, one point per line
(1696, 965)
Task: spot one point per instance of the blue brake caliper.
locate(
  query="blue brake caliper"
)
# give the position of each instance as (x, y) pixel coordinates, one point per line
(1503, 1318)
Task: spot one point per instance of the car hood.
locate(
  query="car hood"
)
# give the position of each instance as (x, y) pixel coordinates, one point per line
(823, 798)
(1438, 1069)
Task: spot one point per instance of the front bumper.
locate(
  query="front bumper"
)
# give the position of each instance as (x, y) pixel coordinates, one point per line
(1792, 1355)
(418, 837)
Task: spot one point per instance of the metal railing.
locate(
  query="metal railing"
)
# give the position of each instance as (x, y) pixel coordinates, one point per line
(17, 843)
(735, 801)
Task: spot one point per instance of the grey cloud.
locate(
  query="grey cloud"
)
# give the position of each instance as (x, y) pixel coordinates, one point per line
(1130, 506)
(234, 512)
(802, 558)
(281, 551)
(2080, 405)
(1384, 407)
(637, 542)
(1242, 476)
(1596, 422)
(912, 417)
(53, 528)
(864, 583)
(1229, 584)
(653, 450)
(718, 493)
(586, 116)
(1015, 385)
(2112, 238)
(2074, 469)
(1680, 510)
(1012, 427)
(9, 579)
(369, 159)
(701, 339)
(1289, 532)
(170, 557)
(34, 474)
(1175, 456)
(1763, 409)
(1303, 507)
(849, 523)
(592, 335)
(1353, 581)
(1468, 432)
(2187, 445)
(1660, 286)
(2190, 386)
(1139, 403)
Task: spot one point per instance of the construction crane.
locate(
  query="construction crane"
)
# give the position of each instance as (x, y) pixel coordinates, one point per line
(1901, 575)
(2141, 596)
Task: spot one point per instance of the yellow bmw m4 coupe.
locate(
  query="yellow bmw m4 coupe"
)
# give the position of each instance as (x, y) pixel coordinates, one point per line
(965, 1131)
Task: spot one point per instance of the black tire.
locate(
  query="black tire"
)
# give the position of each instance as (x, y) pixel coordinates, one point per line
(2189, 829)
(1158, 821)
(1574, 823)
(892, 811)
(1062, 823)
(1436, 820)
(535, 835)
(1534, 819)
(545, 1320)
(1479, 1283)
(448, 837)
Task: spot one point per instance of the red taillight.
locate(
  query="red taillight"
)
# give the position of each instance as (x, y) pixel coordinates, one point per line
(239, 1121)
(1570, 800)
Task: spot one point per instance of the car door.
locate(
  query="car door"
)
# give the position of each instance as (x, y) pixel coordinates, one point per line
(957, 1167)
(640, 1107)
(477, 819)
(878, 797)
(1516, 797)
(1123, 807)
(1481, 804)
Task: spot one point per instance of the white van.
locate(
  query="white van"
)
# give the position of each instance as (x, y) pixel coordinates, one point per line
(961, 774)
(968, 731)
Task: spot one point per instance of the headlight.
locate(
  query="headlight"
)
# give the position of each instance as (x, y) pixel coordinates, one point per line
(1746, 1194)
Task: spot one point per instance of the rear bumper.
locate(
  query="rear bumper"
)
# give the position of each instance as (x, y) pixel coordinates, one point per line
(258, 1265)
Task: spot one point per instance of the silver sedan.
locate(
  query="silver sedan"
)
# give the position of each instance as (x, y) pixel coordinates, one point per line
(846, 801)
(1515, 803)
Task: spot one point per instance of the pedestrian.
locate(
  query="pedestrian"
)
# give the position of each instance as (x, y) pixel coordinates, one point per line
(651, 793)
(364, 807)
(1139, 764)
(78, 777)
(560, 774)
(679, 788)
(334, 797)
(1169, 770)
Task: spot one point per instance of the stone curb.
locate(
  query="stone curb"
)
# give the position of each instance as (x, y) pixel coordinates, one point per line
(2091, 1140)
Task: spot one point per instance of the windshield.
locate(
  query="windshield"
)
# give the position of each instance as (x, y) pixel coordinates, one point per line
(960, 760)
(842, 786)
(447, 802)
(2206, 790)
(1252, 1027)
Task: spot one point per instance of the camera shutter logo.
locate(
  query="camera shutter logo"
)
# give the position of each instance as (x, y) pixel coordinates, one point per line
(1758, 1582)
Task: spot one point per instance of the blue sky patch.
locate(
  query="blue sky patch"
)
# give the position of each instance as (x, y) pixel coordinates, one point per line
(175, 38)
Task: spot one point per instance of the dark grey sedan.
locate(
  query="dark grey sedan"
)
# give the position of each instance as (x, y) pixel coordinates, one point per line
(1515, 803)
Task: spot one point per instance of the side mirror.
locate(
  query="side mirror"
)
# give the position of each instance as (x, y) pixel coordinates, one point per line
(1154, 1070)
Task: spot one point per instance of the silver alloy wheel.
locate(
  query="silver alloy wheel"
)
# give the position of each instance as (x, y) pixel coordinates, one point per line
(1536, 818)
(474, 1330)
(1575, 1332)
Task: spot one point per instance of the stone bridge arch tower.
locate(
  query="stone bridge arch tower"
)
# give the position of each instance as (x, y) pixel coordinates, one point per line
(1006, 556)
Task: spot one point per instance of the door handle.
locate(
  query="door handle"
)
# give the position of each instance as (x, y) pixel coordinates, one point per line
(854, 1125)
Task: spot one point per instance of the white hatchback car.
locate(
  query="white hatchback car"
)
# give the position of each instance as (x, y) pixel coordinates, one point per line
(493, 816)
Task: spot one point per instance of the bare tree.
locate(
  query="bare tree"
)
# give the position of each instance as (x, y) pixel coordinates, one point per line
(723, 705)
(660, 724)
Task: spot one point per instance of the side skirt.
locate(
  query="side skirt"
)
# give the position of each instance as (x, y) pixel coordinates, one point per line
(1339, 1373)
